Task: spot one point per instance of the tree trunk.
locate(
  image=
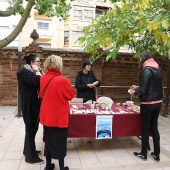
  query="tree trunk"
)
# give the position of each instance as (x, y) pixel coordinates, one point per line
(17, 30)
(11, 9)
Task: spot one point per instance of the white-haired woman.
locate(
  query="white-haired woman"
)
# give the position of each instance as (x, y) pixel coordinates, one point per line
(56, 92)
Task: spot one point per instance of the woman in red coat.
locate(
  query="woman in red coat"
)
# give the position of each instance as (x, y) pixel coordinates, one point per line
(54, 111)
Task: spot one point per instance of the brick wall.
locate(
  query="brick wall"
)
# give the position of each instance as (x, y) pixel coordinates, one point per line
(119, 72)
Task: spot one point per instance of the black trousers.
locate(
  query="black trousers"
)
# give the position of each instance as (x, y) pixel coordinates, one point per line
(29, 143)
(149, 120)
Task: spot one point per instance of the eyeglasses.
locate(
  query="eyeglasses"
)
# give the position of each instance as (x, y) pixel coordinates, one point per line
(38, 61)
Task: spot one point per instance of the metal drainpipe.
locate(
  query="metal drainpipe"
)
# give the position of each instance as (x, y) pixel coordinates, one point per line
(19, 69)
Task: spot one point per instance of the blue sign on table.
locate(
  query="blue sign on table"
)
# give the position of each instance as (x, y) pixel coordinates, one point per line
(104, 127)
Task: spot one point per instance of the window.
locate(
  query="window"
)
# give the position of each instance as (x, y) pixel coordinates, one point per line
(43, 25)
(75, 36)
(82, 13)
(77, 14)
(100, 11)
(66, 37)
(88, 14)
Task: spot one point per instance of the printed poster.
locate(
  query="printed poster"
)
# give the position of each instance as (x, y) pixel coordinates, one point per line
(104, 127)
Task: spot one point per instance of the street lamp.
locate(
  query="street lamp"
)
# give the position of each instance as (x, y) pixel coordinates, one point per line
(19, 69)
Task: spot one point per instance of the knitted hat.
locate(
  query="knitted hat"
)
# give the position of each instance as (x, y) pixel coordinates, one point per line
(85, 63)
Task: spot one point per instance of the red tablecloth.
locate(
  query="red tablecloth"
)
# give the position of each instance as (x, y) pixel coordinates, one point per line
(124, 124)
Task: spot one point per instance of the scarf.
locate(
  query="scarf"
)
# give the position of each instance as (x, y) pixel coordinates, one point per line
(28, 67)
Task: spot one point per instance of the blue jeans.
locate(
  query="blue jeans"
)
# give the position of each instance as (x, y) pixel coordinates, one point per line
(149, 120)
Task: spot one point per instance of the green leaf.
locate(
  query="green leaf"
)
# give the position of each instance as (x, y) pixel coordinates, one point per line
(137, 18)
(168, 42)
(114, 53)
(157, 35)
(164, 37)
(149, 27)
(165, 24)
(142, 30)
(137, 55)
(134, 39)
(108, 56)
(80, 40)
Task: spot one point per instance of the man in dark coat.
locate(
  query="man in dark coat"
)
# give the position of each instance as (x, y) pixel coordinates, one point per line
(85, 83)
(29, 82)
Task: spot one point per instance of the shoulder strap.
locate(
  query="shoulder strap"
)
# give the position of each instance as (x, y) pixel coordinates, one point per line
(47, 85)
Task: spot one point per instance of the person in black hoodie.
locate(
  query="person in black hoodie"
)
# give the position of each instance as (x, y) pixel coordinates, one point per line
(85, 83)
(29, 84)
(150, 96)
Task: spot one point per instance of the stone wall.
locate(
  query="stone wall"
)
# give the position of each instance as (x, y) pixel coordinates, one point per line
(120, 73)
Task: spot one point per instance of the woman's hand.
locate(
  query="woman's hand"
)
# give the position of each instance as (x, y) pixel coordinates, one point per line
(90, 85)
(41, 71)
(95, 83)
(131, 91)
(36, 69)
(134, 87)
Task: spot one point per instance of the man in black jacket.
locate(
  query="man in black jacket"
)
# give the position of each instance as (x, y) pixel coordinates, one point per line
(150, 97)
(85, 83)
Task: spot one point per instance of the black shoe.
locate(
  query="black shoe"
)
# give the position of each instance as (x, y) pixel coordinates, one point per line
(156, 158)
(36, 160)
(141, 155)
(66, 168)
(52, 166)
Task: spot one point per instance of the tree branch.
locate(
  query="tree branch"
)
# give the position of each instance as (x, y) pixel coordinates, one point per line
(20, 25)
(11, 9)
(103, 52)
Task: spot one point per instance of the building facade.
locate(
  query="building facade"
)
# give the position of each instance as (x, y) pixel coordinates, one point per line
(81, 15)
(54, 33)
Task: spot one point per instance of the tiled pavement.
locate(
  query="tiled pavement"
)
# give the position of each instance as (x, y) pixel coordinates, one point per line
(82, 153)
